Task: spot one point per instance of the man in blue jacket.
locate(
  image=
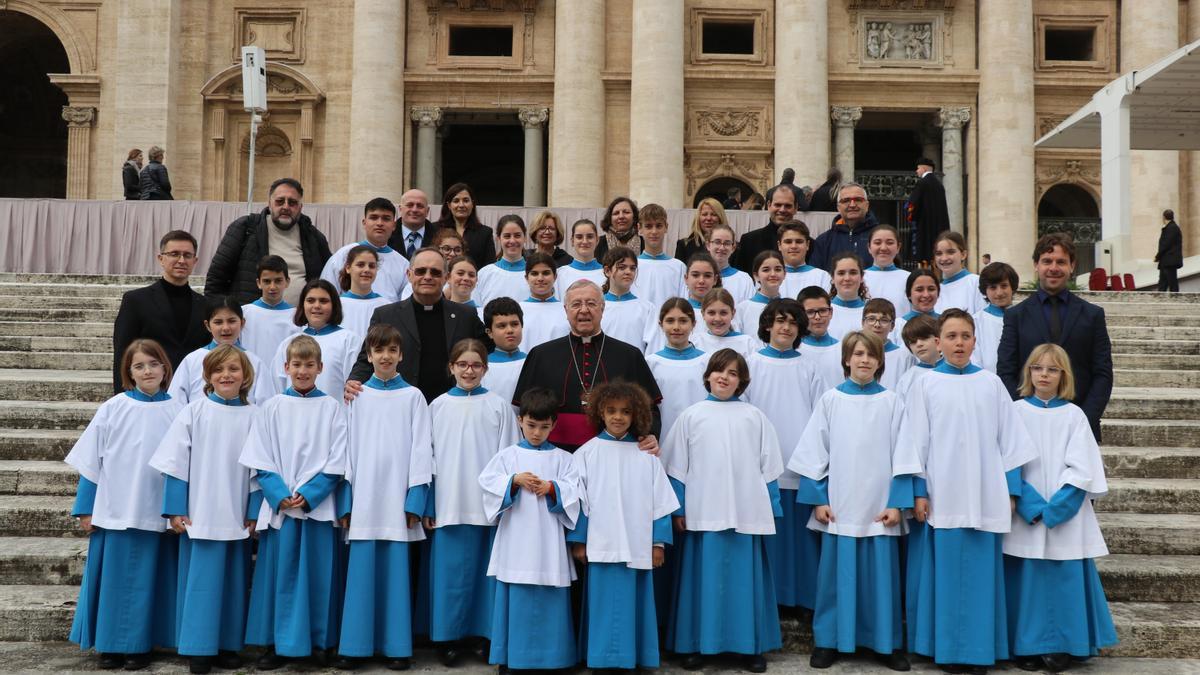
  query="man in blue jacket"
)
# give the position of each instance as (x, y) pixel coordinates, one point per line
(851, 231)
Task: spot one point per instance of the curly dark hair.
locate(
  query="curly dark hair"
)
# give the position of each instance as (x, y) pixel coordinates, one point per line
(620, 390)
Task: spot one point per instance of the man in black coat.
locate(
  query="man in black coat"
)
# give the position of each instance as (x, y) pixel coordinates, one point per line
(429, 324)
(1170, 253)
(927, 211)
(781, 208)
(415, 231)
(167, 311)
(1054, 314)
(153, 181)
(280, 229)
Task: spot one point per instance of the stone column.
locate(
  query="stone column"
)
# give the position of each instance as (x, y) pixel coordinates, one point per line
(845, 118)
(1006, 212)
(427, 118)
(533, 120)
(1190, 211)
(930, 138)
(656, 104)
(577, 132)
(377, 101)
(1151, 32)
(80, 120)
(802, 89)
(952, 121)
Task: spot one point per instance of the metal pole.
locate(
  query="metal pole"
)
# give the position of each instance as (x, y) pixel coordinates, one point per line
(254, 120)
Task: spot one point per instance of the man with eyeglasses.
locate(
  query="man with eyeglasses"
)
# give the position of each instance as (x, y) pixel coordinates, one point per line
(416, 232)
(280, 229)
(851, 230)
(927, 211)
(429, 325)
(167, 311)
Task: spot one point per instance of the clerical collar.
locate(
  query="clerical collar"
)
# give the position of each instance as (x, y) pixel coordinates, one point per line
(355, 296)
(778, 354)
(694, 303)
(994, 310)
(914, 314)
(587, 339)
(139, 395)
(609, 297)
(799, 269)
(459, 391)
(889, 346)
(653, 256)
(498, 355)
(731, 399)
(437, 304)
(586, 266)
(605, 436)
(949, 368)
(850, 304)
(311, 393)
(392, 383)
(544, 446)
(825, 340)
(324, 330)
(515, 266)
(1036, 402)
(378, 249)
(213, 345)
(760, 298)
(956, 276)
(686, 354)
(282, 304)
(549, 299)
(877, 268)
(217, 398)
(856, 389)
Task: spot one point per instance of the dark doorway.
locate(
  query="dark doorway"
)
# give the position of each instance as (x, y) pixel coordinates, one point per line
(488, 157)
(1071, 209)
(33, 134)
(718, 189)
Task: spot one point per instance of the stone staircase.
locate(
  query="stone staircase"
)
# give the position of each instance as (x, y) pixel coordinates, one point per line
(54, 371)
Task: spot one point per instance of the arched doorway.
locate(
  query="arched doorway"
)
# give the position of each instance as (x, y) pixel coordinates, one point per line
(718, 189)
(1071, 208)
(33, 133)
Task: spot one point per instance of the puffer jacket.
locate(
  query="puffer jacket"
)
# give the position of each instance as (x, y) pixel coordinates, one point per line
(234, 266)
(154, 182)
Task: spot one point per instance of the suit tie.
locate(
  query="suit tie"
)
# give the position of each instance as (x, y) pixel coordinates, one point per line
(1055, 319)
(412, 243)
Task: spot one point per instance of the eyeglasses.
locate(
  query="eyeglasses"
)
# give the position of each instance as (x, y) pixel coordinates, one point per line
(877, 320)
(178, 255)
(577, 305)
(852, 200)
(467, 365)
(144, 366)
(290, 202)
(814, 313)
(450, 251)
(435, 272)
(722, 243)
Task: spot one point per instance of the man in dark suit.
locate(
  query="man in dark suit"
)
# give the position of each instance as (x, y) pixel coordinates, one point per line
(781, 207)
(429, 324)
(416, 232)
(1053, 314)
(167, 311)
(927, 211)
(1170, 254)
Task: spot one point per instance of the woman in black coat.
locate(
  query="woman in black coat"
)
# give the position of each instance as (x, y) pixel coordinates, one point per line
(130, 174)
(458, 211)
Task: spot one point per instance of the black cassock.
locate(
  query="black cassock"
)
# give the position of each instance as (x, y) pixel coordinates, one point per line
(569, 366)
(928, 214)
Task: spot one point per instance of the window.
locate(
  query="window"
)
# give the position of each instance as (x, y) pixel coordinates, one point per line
(486, 41)
(727, 37)
(1069, 44)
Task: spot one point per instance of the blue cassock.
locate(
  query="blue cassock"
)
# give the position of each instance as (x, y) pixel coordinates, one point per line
(455, 595)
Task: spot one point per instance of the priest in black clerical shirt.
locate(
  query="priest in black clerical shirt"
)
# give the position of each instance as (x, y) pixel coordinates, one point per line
(571, 366)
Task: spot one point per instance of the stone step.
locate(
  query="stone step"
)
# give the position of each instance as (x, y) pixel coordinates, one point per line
(1127, 495)
(88, 279)
(1122, 462)
(102, 329)
(1156, 378)
(1143, 346)
(1152, 333)
(42, 560)
(1157, 361)
(1159, 629)
(46, 414)
(55, 385)
(1143, 578)
(58, 315)
(1151, 433)
(1146, 320)
(36, 613)
(1137, 533)
(37, 444)
(56, 344)
(27, 477)
(59, 302)
(56, 360)
(1157, 403)
(1115, 297)
(1148, 308)
(37, 516)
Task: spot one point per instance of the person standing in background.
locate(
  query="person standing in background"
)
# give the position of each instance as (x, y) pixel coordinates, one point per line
(153, 179)
(130, 174)
(1170, 253)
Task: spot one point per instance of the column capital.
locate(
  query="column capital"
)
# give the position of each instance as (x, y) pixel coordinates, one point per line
(953, 118)
(533, 118)
(427, 115)
(846, 117)
(79, 115)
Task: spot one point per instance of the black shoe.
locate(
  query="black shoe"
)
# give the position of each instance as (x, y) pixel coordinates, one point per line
(756, 663)
(502, 670)
(822, 657)
(1056, 663)
(345, 663)
(956, 668)
(693, 662)
(269, 661)
(399, 663)
(1029, 663)
(228, 660)
(110, 661)
(448, 655)
(137, 661)
(896, 661)
(200, 664)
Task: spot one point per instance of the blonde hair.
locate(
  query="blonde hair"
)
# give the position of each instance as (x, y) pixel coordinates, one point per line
(1066, 385)
(304, 347)
(220, 355)
(697, 235)
(539, 222)
(871, 341)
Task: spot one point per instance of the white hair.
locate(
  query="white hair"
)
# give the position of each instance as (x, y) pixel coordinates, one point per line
(583, 283)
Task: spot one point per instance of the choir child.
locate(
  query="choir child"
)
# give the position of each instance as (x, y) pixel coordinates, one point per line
(461, 278)
(543, 316)
(297, 447)
(723, 458)
(845, 459)
(678, 367)
(884, 277)
(849, 295)
(531, 491)
(389, 464)
(505, 278)
(959, 287)
(212, 505)
(921, 338)
(319, 316)
(768, 273)
(922, 289)
(625, 524)
(1056, 606)
(127, 598)
(718, 311)
(223, 320)
(660, 276)
(997, 282)
(785, 387)
(701, 276)
(268, 319)
(379, 222)
(962, 436)
(819, 346)
(627, 317)
(879, 315)
(503, 321)
(795, 241)
(470, 425)
(355, 279)
(721, 245)
(584, 238)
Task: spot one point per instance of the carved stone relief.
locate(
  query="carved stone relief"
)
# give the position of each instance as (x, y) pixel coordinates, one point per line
(737, 126)
(755, 169)
(280, 32)
(271, 142)
(900, 39)
(1051, 171)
